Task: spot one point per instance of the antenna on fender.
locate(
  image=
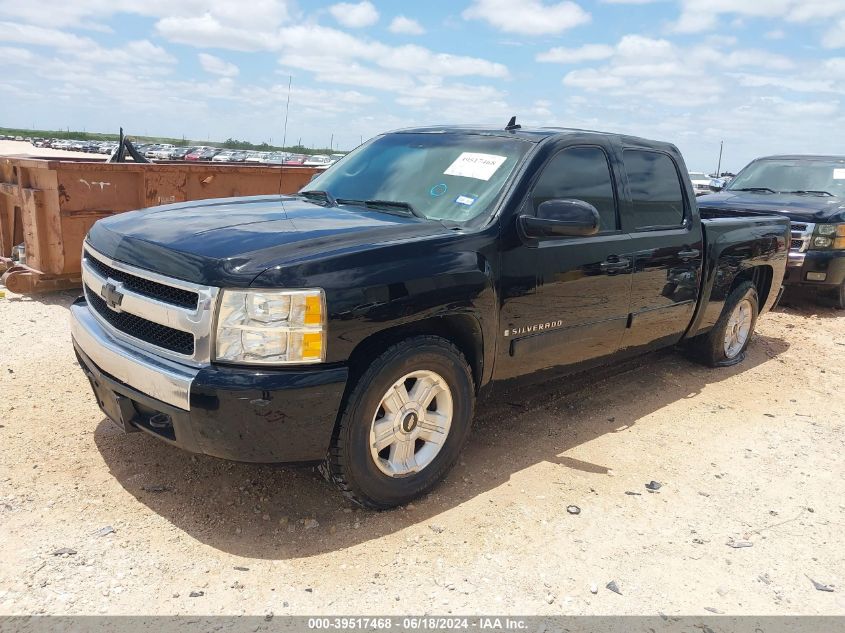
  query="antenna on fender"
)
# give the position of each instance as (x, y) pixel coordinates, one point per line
(512, 125)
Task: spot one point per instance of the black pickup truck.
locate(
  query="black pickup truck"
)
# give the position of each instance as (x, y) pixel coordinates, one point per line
(356, 323)
(810, 191)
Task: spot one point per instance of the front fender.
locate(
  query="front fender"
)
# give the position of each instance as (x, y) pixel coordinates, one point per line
(393, 286)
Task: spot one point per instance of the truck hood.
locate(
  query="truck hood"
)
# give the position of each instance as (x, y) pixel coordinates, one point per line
(799, 208)
(230, 241)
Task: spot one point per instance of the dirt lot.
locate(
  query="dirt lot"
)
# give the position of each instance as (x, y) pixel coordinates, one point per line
(752, 453)
(22, 148)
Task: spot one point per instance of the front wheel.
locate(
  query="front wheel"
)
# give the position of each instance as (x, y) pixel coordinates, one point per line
(726, 343)
(404, 423)
(837, 297)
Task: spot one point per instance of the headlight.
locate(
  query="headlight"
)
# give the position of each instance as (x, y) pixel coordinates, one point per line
(271, 327)
(829, 236)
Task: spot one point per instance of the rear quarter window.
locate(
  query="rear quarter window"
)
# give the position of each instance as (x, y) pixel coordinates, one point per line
(656, 191)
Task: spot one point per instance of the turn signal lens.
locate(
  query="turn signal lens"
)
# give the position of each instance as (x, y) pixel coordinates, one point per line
(312, 345)
(313, 310)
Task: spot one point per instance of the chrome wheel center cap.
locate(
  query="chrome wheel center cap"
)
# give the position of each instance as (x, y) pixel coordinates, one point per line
(410, 422)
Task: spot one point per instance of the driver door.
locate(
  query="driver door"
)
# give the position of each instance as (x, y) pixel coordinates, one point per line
(578, 310)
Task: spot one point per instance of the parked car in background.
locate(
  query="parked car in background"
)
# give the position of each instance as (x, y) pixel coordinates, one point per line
(195, 152)
(274, 158)
(357, 322)
(700, 182)
(222, 157)
(179, 153)
(317, 160)
(810, 191)
(295, 159)
(160, 152)
(210, 153)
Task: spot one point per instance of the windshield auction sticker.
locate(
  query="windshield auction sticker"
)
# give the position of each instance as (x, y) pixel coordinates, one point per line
(478, 166)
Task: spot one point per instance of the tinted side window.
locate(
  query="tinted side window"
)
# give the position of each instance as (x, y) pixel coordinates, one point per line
(579, 173)
(655, 189)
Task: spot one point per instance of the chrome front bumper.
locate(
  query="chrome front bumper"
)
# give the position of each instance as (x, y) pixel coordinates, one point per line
(156, 377)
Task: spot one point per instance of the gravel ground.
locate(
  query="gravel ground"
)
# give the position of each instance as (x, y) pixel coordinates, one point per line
(22, 148)
(750, 455)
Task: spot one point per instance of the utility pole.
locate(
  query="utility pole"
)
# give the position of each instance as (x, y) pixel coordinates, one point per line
(719, 167)
(287, 110)
(331, 142)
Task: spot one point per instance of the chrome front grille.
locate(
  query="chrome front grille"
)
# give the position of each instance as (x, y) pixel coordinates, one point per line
(156, 334)
(802, 233)
(167, 294)
(166, 316)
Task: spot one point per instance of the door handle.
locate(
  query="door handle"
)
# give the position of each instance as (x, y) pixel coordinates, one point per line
(690, 254)
(614, 264)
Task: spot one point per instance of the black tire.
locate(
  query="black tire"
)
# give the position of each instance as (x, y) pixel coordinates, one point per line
(710, 348)
(350, 464)
(836, 297)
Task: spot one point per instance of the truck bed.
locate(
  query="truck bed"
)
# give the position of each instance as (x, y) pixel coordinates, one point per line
(739, 245)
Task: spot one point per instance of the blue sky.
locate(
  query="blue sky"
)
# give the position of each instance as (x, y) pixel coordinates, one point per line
(766, 76)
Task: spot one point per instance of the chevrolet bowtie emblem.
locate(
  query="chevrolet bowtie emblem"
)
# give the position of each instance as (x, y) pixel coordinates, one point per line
(110, 292)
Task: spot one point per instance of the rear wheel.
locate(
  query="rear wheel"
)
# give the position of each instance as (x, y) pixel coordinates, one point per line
(727, 342)
(404, 423)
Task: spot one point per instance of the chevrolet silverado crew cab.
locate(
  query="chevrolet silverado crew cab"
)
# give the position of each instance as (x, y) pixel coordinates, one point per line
(356, 323)
(810, 191)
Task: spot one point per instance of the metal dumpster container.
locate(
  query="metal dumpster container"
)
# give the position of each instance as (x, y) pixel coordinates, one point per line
(49, 205)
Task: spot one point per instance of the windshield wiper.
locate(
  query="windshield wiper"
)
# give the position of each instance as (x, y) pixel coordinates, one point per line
(395, 204)
(386, 206)
(318, 195)
(812, 192)
(758, 189)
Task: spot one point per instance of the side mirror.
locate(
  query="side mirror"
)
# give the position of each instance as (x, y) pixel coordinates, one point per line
(561, 218)
(717, 184)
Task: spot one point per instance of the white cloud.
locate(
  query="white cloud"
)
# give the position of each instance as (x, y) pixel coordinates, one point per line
(528, 17)
(405, 26)
(588, 52)
(355, 15)
(217, 66)
(835, 35)
(41, 36)
(657, 69)
(697, 16)
(692, 91)
(13, 55)
(87, 13)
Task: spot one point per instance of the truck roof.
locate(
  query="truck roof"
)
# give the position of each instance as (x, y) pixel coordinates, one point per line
(532, 134)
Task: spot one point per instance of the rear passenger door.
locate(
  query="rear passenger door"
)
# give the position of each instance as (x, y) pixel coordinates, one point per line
(667, 249)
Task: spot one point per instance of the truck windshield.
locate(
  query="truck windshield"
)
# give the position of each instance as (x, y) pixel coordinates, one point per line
(799, 176)
(440, 176)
